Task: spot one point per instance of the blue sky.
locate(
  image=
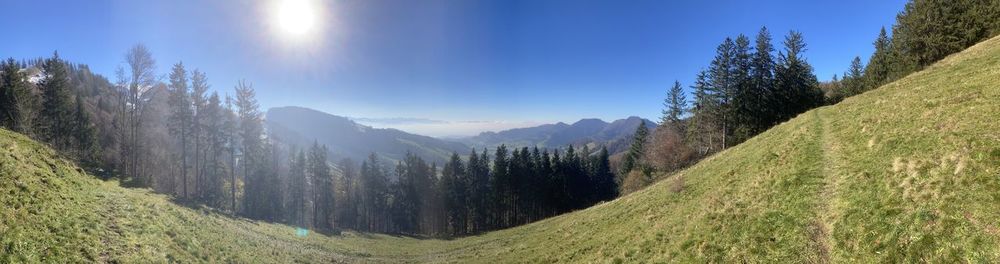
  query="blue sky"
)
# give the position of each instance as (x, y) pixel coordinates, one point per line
(455, 60)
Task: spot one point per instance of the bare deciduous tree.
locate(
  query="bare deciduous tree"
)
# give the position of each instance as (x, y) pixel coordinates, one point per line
(133, 87)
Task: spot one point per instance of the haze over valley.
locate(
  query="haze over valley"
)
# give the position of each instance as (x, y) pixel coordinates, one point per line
(437, 131)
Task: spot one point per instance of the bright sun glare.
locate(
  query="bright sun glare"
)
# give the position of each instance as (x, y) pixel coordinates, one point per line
(296, 19)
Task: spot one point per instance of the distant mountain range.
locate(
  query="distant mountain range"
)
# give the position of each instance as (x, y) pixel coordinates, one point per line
(347, 139)
(590, 132)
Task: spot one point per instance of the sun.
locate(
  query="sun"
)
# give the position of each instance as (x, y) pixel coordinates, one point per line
(296, 19)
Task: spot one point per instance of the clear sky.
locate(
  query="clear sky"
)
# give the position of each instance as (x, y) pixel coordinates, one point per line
(454, 60)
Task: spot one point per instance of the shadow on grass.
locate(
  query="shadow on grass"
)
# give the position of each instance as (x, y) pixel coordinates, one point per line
(206, 210)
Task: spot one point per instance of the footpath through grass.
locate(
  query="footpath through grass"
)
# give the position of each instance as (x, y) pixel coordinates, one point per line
(909, 172)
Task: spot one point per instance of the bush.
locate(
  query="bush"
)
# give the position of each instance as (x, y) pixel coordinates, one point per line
(667, 151)
(634, 181)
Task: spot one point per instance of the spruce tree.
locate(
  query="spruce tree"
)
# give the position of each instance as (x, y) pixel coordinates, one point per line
(322, 182)
(674, 106)
(854, 79)
(762, 78)
(17, 103)
(723, 87)
(214, 120)
(180, 118)
(251, 147)
(500, 181)
(745, 100)
(297, 189)
(199, 103)
(454, 187)
(57, 112)
(603, 180)
(797, 87)
(479, 188)
(347, 201)
(702, 129)
(636, 149)
(876, 73)
(84, 134)
(230, 135)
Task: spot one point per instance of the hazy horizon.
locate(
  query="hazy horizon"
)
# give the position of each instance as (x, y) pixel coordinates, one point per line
(343, 131)
(491, 61)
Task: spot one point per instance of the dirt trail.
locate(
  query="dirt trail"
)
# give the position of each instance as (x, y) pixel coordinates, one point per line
(826, 209)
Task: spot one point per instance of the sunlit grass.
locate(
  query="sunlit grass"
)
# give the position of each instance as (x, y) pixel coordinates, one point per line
(909, 172)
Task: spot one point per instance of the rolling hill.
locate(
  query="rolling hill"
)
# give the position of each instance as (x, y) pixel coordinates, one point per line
(347, 139)
(909, 172)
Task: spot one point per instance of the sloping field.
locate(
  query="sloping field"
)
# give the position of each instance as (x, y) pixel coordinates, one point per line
(909, 172)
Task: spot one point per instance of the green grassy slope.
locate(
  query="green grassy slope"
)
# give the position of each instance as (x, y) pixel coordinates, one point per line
(909, 172)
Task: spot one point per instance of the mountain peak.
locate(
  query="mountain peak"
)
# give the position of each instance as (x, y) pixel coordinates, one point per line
(590, 121)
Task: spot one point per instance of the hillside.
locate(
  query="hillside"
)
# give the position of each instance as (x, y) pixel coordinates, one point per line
(347, 139)
(904, 173)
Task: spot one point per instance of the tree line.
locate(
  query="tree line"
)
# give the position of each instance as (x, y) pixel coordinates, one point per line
(52, 113)
(466, 196)
(169, 133)
(747, 89)
(925, 32)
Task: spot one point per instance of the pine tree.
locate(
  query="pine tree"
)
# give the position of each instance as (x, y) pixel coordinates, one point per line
(501, 187)
(546, 175)
(199, 103)
(762, 78)
(411, 208)
(17, 104)
(674, 106)
(636, 149)
(180, 118)
(56, 114)
(723, 87)
(454, 186)
(374, 199)
(796, 85)
(876, 73)
(703, 127)
(569, 166)
(558, 196)
(270, 202)
(479, 188)
(84, 134)
(603, 179)
(745, 109)
(230, 134)
(251, 148)
(346, 198)
(322, 181)
(214, 119)
(854, 79)
(537, 177)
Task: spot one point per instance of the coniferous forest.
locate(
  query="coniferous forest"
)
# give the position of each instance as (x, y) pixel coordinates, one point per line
(213, 150)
